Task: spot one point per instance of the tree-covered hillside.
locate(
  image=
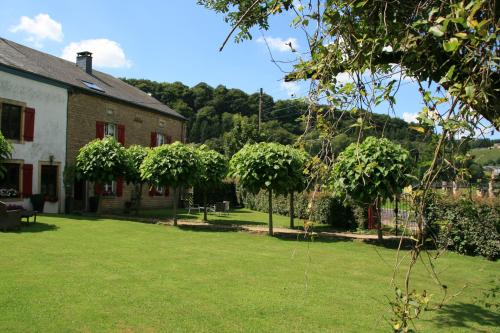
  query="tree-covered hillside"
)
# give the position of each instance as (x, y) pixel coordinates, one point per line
(226, 118)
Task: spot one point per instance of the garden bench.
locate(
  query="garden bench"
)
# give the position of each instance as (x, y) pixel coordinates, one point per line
(26, 214)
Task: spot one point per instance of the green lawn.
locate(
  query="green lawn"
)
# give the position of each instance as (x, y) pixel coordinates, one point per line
(92, 275)
(238, 216)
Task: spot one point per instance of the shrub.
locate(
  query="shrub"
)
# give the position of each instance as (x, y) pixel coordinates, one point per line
(325, 208)
(465, 226)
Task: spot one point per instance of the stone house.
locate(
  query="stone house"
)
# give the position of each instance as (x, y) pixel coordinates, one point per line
(66, 105)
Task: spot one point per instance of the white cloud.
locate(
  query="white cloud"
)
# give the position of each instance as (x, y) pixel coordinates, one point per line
(105, 52)
(291, 88)
(410, 117)
(39, 28)
(279, 44)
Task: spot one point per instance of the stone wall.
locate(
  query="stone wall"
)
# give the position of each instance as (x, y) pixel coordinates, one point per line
(85, 109)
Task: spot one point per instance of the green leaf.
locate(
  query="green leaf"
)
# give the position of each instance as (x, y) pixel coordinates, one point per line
(451, 45)
(437, 30)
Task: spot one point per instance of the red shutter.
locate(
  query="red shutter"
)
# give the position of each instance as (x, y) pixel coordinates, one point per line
(169, 139)
(27, 180)
(153, 139)
(119, 187)
(121, 134)
(99, 129)
(167, 191)
(29, 124)
(97, 189)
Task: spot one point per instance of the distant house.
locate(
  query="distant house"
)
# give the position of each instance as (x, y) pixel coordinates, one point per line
(51, 107)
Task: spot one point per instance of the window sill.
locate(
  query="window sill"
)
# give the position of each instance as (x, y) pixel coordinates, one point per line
(11, 199)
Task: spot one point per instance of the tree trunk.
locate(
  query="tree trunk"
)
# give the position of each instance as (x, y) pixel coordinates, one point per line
(270, 191)
(139, 197)
(205, 218)
(379, 219)
(291, 211)
(175, 206)
(396, 212)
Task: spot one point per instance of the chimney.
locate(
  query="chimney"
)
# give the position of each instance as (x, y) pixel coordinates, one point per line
(84, 61)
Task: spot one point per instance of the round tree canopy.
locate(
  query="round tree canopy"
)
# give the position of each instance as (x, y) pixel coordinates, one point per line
(102, 160)
(374, 168)
(214, 166)
(269, 166)
(174, 165)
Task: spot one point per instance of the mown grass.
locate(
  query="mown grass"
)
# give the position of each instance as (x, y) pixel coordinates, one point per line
(238, 216)
(98, 275)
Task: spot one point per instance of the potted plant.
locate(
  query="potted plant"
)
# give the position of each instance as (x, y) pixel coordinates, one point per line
(38, 201)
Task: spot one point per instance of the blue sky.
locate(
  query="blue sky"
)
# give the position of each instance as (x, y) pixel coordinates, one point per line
(174, 40)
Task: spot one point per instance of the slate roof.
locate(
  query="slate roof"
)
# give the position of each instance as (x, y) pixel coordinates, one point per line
(47, 66)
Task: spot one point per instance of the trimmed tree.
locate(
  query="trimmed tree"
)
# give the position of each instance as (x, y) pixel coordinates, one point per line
(176, 165)
(270, 166)
(5, 153)
(101, 161)
(135, 156)
(369, 172)
(214, 168)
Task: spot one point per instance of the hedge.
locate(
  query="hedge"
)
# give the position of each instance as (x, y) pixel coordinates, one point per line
(464, 225)
(324, 208)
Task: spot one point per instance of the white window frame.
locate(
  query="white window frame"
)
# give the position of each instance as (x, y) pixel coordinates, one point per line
(161, 139)
(110, 129)
(109, 189)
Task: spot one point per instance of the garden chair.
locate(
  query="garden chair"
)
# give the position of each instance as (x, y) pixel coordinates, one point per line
(220, 208)
(9, 219)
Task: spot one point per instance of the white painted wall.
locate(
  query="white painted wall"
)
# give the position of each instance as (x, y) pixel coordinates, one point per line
(50, 103)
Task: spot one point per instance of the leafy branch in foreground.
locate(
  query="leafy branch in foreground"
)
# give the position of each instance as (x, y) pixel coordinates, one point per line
(450, 48)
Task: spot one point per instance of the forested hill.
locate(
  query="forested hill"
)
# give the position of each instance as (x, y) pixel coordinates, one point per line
(225, 119)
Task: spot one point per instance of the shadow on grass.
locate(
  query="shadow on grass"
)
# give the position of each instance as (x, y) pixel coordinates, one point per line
(462, 315)
(35, 227)
(208, 228)
(235, 222)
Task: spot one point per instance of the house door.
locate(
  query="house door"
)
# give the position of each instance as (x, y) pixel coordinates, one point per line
(49, 182)
(79, 195)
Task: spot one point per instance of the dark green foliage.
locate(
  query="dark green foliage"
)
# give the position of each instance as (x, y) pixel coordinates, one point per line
(102, 161)
(465, 226)
(220, 192)
(324, 208)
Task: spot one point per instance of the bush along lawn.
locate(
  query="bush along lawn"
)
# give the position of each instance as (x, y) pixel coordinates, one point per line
(99, 275)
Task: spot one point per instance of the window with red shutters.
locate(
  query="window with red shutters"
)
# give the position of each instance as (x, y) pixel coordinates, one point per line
(119, 187)
(153, 139)
(121, 134)
(29, 124)
(99, 129)
(27, 180)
